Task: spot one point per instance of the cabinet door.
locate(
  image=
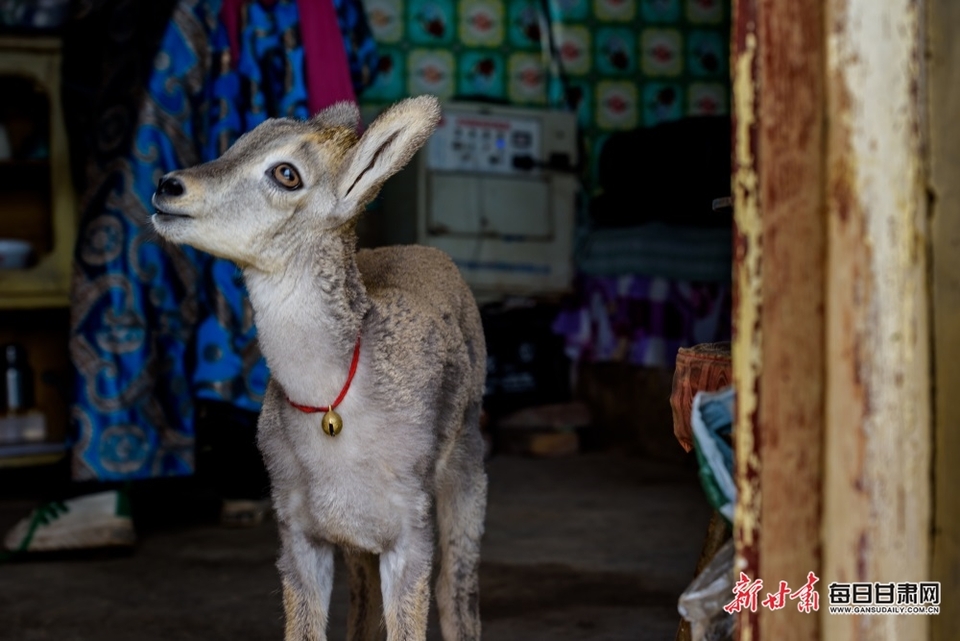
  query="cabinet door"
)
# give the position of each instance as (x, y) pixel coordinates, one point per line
(37, 203)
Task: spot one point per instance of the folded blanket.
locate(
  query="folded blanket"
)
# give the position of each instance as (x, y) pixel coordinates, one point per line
(656, 249)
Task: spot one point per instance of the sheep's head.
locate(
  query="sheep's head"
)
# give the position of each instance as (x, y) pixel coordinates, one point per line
(287, 181)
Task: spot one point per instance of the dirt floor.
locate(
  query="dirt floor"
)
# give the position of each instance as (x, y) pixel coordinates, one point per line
(594, 547)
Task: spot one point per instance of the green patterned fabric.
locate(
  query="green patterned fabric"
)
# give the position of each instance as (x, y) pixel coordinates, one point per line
(628, 63)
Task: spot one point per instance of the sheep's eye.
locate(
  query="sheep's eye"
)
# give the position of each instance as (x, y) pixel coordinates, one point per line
(286, 176)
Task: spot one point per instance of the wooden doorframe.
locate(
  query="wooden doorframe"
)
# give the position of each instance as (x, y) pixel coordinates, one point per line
(778, 299)
(944, 184)
(832, 340)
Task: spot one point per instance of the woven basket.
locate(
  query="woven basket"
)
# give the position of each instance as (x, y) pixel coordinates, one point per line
(701, 368)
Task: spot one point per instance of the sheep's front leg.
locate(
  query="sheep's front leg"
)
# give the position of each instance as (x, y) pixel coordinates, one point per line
(306, 570)
(405, 582)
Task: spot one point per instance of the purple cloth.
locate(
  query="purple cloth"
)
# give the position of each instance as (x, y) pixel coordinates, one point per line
(642, 320)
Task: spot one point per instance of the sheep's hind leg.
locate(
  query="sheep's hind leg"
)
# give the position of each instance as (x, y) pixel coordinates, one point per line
(461, 504)
(366, 604)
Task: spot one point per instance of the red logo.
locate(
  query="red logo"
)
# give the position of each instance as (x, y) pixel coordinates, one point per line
(745, 596)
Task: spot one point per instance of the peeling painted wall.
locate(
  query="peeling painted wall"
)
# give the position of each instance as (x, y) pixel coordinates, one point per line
(876, 521)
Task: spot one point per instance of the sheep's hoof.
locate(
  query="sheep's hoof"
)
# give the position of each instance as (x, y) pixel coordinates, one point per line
(332, 423)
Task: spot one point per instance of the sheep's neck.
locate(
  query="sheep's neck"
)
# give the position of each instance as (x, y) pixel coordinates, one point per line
(308, 318)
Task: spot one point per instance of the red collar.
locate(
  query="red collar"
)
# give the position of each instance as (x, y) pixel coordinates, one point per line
(343, 392)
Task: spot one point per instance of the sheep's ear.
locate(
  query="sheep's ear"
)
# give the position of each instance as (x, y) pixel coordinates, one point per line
(386, 146)
(340, 114)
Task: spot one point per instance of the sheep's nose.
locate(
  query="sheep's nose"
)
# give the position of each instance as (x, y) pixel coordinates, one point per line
(170, 186)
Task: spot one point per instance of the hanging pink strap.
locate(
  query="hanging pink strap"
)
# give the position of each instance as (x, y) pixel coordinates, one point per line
(230, 16)
(326, 66)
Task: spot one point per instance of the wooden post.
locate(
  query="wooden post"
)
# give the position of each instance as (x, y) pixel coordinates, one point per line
(944, 95)
(779, 287)
(876, 522)
(831, 345)
(747, 299)
(791, 406)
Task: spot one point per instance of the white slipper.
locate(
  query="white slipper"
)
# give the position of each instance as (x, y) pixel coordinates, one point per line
(91, 521)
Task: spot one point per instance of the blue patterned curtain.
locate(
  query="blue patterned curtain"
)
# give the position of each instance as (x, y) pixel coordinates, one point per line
(155, 327)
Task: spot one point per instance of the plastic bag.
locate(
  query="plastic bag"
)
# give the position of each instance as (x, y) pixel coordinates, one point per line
(712, 422)
(702, 602)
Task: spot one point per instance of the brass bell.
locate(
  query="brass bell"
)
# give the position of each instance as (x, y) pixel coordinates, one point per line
(331, 423)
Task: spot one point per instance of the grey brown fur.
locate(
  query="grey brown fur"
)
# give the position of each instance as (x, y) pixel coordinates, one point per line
(405, 476)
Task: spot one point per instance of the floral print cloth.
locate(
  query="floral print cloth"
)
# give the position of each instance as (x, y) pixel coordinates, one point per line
(154, 326)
